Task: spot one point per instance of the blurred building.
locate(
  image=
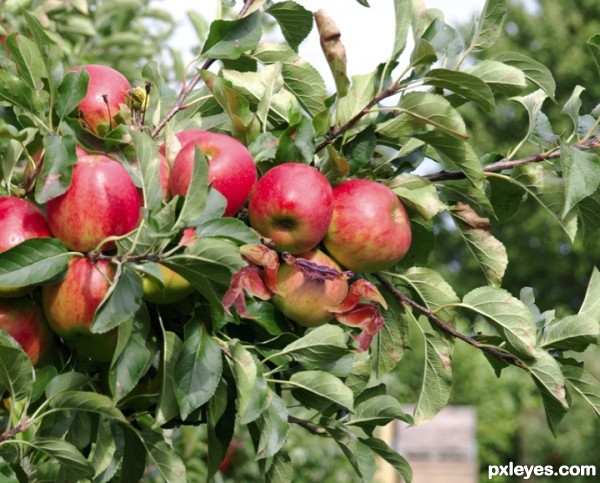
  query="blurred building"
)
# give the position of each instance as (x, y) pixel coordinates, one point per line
(443, 450)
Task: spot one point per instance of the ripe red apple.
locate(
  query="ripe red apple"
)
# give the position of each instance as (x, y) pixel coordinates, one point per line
(24, 320)
(174, 289)
(231, 169)
(306, 300)
(370, 229)
(101, 201)
(19, 221)
(107, 90)
(70, 306)
(292, 205)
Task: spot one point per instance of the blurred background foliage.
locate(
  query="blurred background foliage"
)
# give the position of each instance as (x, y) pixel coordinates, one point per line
(128, 34)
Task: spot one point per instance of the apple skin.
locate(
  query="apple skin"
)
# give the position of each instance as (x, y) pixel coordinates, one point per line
(107, 90)
(70, 306)
(24, 320)
(174, 290)
(231, 169)
(292, 205)
(20, 220)
(306, 300)
(101, 201)
(183, 137)
(370, 229)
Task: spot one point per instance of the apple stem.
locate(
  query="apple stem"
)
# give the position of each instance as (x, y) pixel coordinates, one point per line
(105, 99)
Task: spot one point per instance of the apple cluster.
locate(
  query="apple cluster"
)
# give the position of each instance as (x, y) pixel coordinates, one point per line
(322, 235)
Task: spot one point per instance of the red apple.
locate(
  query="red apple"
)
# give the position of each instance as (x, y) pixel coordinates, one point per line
(20, 220)
(174, 289)
(70, 306)
(231, 169)
(101, 201)
(24, 320)
(370, 229)
(107, 90)
(292, 205)
(307, 300)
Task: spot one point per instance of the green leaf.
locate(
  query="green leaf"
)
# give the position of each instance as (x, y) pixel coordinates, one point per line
(321, 345)
(32, 262)
(534, 71)
(319, 390)
(573, 106)
(28, 58)
(17, 92)
(443, 38)
(381, 448)
(549, 379)
(229, 39)
(88, 402)
(71, 92)
(297, 143)
(574, 332)
(306, 83)
(250, 383)
(533, 103)
(489, 26)
(66, 454)
(16, 371)
(456, 154)
(106, 453)
(148, 161)
(432, 290)
(220, 425)
(164, 458)
(294, 20)
(57, 169)
(244, 123)
(359, 455)
(67, 381)
(508, 315)
(423, 110)
(198, 368)
(547, 188)
(120, 303)
(501, 77)
(584, 383)
(437, 378)
(377, 411)
(419, 194)
(506, 198)
(167, 407)
(581, 172)
(591, 302)
(588, 210)
(403, 17)
(133, 355)
(594, 44)
(232, 228)
(392, 340)
(195, 198)
(489, 252)
(281, 470)
(134, 457)
(423, 53)
(213, 258)
(465, 85)
(273, 425)
(361, 92)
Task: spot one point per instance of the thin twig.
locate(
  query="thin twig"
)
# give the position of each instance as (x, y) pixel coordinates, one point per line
(334, 133)
(311, 428)
(19, 428)
(503, 164)
(189, 87)
(440, 324)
